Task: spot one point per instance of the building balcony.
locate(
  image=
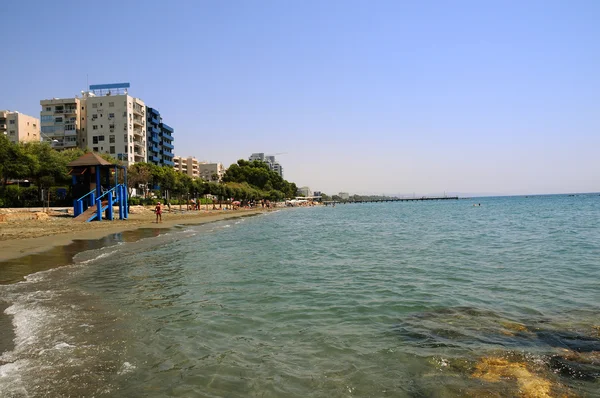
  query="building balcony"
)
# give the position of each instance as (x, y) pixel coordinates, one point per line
(138, 143)
(138, 111)
(167, 154)
(167, 137)
(3, 126)
(154, 121)
(71, 132)
(152, 111)
(153, 129)
(138, 121)
(138, 132)
(154, 159)
(155, 139)
(168, 163)
(154, 148)
(70, 111)
(167, 127)
(167, 145)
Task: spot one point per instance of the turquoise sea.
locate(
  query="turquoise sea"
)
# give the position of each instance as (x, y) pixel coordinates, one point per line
(412, 299)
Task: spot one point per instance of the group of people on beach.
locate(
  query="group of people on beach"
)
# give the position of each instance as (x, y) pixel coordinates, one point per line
(195, 205)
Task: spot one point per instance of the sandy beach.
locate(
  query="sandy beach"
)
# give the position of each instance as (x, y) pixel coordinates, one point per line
(23, 237)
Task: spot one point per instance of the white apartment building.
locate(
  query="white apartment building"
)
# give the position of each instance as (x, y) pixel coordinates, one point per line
(116, 124)
(189, 166)
(344, 195)
(19, 127)
(105, 119)
(207, 170)
(270, 160)
(63, 122)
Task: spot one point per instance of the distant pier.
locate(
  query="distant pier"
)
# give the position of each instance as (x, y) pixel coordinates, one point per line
(421, 199)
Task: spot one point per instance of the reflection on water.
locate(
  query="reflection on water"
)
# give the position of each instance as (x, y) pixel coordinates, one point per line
(15, 270)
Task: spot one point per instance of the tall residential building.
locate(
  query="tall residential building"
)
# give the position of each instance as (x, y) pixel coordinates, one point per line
(270, 160)
(19, 127)
(160, 139)
(106, 119)
(116, 123)
(207, 170)
(63, 122)
(189, 166)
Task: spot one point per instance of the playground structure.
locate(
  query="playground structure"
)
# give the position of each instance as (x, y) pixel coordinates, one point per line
(96, 184)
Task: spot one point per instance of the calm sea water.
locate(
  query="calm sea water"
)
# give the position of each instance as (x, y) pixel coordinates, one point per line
(431, 299)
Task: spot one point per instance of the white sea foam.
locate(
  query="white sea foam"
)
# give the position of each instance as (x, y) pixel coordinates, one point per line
(10, 378)
(126, 368)
(63, 345)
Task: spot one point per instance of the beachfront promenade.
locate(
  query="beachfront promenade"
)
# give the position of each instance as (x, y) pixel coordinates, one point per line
(423, 198)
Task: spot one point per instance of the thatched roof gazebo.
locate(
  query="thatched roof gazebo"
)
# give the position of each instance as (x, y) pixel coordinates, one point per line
(95, 187)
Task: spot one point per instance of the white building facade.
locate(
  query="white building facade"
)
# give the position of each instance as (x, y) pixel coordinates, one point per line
(189, 166)
(63, 122)
(19, 127)
(208, 170)
(105, 119)
(270, 160)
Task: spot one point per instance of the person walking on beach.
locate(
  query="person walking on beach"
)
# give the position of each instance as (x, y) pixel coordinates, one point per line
(158, 211)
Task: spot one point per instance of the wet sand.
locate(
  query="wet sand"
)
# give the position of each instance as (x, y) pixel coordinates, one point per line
(22, 238)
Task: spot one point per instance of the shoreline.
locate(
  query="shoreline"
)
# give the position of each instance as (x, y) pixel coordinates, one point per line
(70, 231)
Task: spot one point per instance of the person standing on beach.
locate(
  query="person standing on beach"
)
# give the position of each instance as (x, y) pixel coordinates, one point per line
(158, 211)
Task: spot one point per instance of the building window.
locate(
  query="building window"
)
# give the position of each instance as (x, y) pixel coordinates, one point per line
(111, 115)
(125, 114)
(125, 148)
(82, 108)
(83, 129)
(69, 127)
(101, 104)
(95, 149)
(125, 138)
(94, 117)
(48, 109)
(94, 105)
(111, 139)
(94, 127)
(130, 148)
(100, 138)
(130, 139)
(111, 104)
(112, 149)
(12, 132)
(58, 120)
(11, 122)
(95, 139)
(47, 118)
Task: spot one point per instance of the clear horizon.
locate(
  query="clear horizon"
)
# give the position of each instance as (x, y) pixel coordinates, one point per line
(361, 97)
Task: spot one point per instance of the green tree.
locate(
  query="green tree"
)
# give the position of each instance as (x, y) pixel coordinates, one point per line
(139, 174)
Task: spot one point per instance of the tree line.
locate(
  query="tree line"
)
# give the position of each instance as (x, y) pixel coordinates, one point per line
(27, 170)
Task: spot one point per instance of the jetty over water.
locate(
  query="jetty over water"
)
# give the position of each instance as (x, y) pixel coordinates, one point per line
(420, 199)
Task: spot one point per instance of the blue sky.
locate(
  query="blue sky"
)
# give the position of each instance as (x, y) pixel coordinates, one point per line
(362, 96)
